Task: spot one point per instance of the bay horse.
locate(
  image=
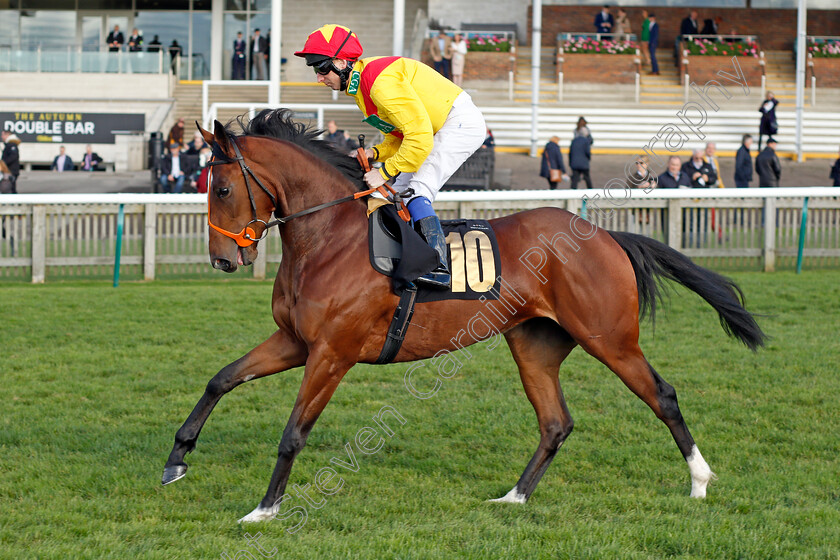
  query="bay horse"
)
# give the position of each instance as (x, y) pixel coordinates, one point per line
(333, 310)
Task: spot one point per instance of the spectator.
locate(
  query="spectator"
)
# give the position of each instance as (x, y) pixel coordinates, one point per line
(701, 173)
(604, 21)
(338, 138)
(743, 164)
(441, 50)
(459, 56)
(767, 165)
(154, 45)
(239, 57)
(62, 161)
(489, 141)
(690, 25)
(258, 52)
(6, 182)
(174, 54)
(653, 42)
(645, 37)
(582, 129)
(115, 39)
(835, 173)
(674, 177)
(135, 41)
(204, 172)
(579, 156)
(711, 26)
(710, 158)
(176, 133)
(622, 26)
(768, 124)
(91, 160)
(174, 170)
(733, 31)
(642, 178)
(196, 144)
(11, 156)
(552, 167)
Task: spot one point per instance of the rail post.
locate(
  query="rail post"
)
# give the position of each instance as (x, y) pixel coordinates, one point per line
(118, 248)
(769, 234)
(675, 224)
(39, 244)
(149, 237)
(803, 227)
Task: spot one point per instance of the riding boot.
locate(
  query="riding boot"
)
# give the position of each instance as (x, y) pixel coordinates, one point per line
(432, 232)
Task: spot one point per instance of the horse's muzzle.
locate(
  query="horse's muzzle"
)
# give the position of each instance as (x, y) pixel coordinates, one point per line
(243, 258)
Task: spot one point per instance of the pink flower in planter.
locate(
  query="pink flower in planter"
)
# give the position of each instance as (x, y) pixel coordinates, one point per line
(598, 49)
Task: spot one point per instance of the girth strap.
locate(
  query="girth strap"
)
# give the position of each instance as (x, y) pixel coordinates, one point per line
(399, 326)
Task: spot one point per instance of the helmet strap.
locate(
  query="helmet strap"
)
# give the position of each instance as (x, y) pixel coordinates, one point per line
(344, 75)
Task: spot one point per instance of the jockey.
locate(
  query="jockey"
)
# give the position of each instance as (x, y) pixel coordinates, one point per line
(431, 126)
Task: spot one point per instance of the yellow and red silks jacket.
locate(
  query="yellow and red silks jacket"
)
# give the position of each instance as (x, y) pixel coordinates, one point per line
(408, 102)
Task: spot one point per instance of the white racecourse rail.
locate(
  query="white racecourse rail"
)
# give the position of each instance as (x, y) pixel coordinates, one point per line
(165, 235)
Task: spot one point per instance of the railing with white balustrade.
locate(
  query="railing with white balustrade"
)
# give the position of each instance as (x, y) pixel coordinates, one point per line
(59, 237)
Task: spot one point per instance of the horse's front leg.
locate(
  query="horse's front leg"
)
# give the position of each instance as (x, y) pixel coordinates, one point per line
(280, 352)
(324, 371)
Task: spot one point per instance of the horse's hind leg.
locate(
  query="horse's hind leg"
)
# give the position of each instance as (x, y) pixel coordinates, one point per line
(625, 358)
(279, 352)
(539, 346)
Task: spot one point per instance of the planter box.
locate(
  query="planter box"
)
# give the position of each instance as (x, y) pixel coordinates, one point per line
(701, 69)
(482, 65)
(599, 68)
(827, 71)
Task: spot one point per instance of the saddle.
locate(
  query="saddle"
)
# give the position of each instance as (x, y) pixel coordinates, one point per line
(399, 252)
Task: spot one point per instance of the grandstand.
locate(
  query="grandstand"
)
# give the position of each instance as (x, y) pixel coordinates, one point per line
(54, 61)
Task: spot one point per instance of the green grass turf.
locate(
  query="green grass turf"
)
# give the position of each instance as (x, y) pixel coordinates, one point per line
(97, 380)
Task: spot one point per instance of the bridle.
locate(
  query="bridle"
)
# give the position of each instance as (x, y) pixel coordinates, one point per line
(247, 236)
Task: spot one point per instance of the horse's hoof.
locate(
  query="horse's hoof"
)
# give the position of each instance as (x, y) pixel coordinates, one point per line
(173, 473)
(512, 497)
(260, 514)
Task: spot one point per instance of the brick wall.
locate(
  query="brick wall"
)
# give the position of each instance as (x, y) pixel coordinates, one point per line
(599, 68)
(776, 29)
(827, 71)
(701, 69)
(480, 65)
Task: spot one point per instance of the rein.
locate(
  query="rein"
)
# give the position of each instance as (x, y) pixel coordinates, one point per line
(247, 236)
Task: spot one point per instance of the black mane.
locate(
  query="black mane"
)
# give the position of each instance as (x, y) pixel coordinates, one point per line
(279, 123)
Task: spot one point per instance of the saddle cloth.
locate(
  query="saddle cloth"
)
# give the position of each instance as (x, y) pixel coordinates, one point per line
(398, 251)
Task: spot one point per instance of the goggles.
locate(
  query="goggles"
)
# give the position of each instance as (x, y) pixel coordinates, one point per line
(323, 68)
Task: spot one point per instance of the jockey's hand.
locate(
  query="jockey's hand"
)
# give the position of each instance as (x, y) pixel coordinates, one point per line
(374, 178)
(368, 153)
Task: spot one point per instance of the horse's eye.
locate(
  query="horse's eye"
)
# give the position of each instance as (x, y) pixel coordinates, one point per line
(222, 192)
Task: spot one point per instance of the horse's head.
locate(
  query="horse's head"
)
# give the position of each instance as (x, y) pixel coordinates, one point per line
(239, 201)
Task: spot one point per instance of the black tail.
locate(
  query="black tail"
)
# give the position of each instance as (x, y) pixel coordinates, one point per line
(653, 260)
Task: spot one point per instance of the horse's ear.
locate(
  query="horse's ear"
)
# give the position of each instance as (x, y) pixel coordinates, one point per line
(221, 137)
(206, 134)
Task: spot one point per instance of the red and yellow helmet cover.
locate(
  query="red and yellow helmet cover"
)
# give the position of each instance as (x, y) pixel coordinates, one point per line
(327, 40)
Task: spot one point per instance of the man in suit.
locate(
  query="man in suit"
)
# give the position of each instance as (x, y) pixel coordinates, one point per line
(62, 162)
(91, 160)
(710, 158)
(115, 39)
(674, 177)
(135, 41)
(174, 169)
(701, 173)
(767, 165)
(258, 50)
(239, 57)
(604, 21)
(653, 42)
(690, 25)
(11, 155)
(441, 50)
(743, 164)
